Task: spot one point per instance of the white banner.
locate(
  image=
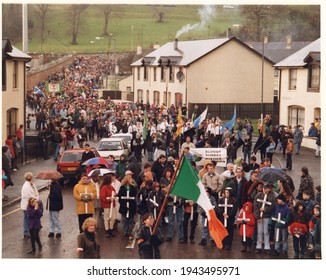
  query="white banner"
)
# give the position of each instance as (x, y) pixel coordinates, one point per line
(217, 154)
(54, 87)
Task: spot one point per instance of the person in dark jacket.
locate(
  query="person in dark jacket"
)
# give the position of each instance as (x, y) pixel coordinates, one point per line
(149, 243)
(55, 205)
(134, 166)
(229, 199)
(88, 242)
(298, 227)
(159, 166)
(281, 216)
(34, 214)
(128, 206)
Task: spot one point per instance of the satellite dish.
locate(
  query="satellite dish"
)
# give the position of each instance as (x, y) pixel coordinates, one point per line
(180, 76)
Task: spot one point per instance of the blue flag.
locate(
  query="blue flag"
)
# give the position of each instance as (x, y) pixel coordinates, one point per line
(200, 119)
(229, 125)
(39, 92)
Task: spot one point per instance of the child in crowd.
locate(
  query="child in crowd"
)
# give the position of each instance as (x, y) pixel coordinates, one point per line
(147, 241)
(298, 227)
(312, 224)
(246, 219)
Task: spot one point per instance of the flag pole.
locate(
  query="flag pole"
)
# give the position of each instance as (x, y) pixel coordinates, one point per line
(168, 193)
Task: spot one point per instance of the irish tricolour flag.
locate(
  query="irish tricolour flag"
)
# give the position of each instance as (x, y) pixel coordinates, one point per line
(188, 185)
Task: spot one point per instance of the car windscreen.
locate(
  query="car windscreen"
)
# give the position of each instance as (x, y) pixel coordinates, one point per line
(126, 137)
(71, 157)
(109, 146)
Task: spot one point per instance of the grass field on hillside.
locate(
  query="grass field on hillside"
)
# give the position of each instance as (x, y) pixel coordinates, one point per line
(130, 25)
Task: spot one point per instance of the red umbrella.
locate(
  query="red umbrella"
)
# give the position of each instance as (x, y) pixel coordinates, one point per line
(49, 175)
(96, 160)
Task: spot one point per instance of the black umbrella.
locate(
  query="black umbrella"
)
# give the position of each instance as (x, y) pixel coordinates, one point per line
(270, 175)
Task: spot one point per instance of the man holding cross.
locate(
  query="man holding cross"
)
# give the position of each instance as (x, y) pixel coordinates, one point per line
(84, 194)
(281, 216)
(263, 206)
(227, 209)
(128, 206)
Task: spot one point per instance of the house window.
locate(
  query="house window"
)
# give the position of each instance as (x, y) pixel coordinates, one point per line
(128, 89)
(171, 74)
(162, 74)
(139, 95)
(4, 75)
(313, 77)
(156, 98)
(276, 73)
(296, 116)
(15, 75)
(155, 72)
(145, 73)
(293, 79)
(138, 73)
(178, 99)
(12, 119)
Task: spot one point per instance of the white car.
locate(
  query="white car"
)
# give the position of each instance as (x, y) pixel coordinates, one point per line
(126, 136)
(113, 146)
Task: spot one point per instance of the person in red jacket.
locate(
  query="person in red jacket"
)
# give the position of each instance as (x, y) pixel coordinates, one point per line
(246, 219)
(108, 201)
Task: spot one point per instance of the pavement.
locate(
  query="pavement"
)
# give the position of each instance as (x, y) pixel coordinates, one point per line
(305, 158)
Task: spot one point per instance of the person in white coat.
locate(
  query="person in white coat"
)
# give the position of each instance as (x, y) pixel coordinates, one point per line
(28, 191)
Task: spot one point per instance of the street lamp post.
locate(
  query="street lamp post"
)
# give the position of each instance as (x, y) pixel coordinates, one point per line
(132, 39)
(115, 68)
(262, 82)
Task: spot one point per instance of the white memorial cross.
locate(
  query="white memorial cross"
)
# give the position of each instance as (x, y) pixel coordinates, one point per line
(87, 196)
(155, 205)
(174, 207)
(264, 202)
(112, 198)
(128, 197)
(226, 206)
(278, 220)
(244, 225)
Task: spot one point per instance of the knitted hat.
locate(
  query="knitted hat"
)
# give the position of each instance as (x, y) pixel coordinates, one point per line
(281, 197)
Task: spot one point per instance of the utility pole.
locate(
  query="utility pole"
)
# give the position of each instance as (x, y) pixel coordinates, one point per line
(25, 27)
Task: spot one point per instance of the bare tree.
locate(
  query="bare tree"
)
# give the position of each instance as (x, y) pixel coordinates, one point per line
(159, 14)
(41, 10)
(258, 18)
(107, 10)
(75, 14)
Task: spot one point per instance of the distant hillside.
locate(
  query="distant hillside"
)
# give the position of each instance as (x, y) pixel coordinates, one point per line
(145, 25)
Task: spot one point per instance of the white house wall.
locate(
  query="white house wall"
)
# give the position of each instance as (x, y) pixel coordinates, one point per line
(13, 97)
(299, 97)
(158, 85)
(230, 74)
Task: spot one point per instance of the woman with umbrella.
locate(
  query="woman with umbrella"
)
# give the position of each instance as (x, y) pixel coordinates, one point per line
(54, 201)
(54, 205)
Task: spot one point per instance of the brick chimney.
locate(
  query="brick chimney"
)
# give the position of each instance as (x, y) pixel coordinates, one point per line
(175, 46)
(288, 41)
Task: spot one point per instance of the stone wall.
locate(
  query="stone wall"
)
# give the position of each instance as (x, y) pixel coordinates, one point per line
(41, 73)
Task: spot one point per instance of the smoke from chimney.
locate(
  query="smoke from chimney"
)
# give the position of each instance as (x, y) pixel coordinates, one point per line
(206, 13)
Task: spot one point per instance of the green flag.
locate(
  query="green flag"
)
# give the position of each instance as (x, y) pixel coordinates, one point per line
(188, 185)
(145, 126)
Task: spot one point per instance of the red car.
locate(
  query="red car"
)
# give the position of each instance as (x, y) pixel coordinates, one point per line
(69, 164)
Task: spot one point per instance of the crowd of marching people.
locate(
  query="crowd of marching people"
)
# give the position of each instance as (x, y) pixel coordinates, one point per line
(263, 213)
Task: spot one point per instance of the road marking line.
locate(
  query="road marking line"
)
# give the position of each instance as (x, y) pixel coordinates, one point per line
(11, 212)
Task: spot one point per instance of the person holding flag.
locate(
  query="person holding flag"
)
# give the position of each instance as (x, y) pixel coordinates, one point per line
(147, 239)
(186, 184)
